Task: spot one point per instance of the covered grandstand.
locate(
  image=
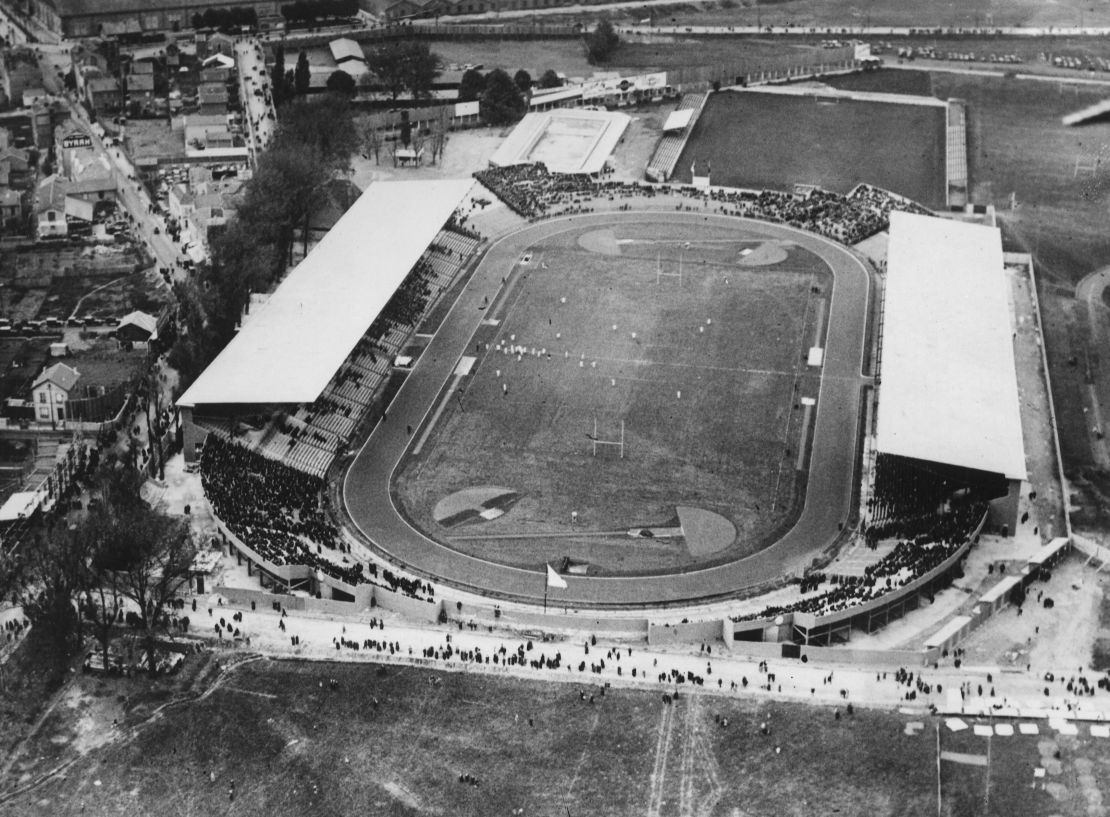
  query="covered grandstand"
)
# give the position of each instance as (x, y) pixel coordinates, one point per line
(307, 350)
(949, 420)
(289, 350)
(949, 453)
(270, 415)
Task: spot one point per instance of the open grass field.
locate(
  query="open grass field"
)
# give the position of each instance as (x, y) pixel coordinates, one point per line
(771, 141)
(275, 739)
(842, 15)
(731, 339)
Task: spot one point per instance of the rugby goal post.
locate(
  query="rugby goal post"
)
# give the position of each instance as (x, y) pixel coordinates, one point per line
(595, 440)
(660, 275)
(1088, 166)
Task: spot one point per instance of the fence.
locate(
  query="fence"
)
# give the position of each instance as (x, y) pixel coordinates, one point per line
(764, 69)
(436, 31)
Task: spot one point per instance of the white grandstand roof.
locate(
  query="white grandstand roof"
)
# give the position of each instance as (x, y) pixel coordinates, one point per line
(949, 385)
(293, 345)
(566, 140)
(677, 120)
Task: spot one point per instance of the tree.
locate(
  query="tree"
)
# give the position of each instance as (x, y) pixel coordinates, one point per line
(277, 75)
(406, 129)
(55, 572)
(387, 64)
(550, 79)
(471, 85)
(439, 134)
(374, 143)
(102, 594)
(340, 82)
(501, 101)
(302, 76)
(323, 124)
(149, 556)
(523, 80)
(602, 42)
(400, 66)
(421, 69)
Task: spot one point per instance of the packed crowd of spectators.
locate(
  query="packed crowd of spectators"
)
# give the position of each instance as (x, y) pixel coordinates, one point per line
(533, 193)
(407, 305)
(277, 511)
(281, 514)
(906, 496)
(909, 560)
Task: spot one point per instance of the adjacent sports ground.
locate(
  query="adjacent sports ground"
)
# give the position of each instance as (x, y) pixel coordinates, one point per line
(692, 337)
(765, 140)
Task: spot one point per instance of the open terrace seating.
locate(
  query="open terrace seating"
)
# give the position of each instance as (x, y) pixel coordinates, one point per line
(532, 192)
(910, 559)
(280, 513)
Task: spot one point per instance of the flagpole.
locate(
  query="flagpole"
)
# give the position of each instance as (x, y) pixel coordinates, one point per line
(545, 591)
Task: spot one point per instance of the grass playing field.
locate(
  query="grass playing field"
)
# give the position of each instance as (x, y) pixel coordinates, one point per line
(275, 739)
(771, 141)
(731, 339)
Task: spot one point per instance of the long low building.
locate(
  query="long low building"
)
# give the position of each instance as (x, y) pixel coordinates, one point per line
(289, 349)
(948, 395)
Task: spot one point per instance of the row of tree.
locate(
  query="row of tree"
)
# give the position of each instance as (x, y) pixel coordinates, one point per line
(305, 11)
(286, 84)
(226, 18)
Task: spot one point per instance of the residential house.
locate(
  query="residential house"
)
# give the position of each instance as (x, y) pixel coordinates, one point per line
(140, 90)
(11, 211)
(87, 63)
(21, 126)
(218, 43)
(51, 391)
(104, 95)
(35, 96)
(215, 73)
(19, 71)
(212, 97)
(15, 168)
(50, 208)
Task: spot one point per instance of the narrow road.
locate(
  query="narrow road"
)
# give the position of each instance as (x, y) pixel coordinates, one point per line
(370, 505)
(1089, 292)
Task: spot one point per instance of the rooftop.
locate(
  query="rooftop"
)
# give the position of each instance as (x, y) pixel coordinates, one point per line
(949, 385)
(293, 345)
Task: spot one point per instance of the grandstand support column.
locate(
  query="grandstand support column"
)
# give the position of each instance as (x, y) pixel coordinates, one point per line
(1004, 510)
(190, 434)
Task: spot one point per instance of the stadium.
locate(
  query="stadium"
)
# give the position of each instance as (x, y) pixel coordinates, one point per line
(672, 394)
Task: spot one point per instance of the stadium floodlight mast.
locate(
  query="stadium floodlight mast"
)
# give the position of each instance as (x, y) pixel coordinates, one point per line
(659, 274)
(595, 440)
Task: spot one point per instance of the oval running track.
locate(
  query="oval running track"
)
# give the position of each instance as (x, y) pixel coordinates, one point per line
(370, 505)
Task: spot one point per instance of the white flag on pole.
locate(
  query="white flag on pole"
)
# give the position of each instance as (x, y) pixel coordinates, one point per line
(554, 579)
